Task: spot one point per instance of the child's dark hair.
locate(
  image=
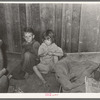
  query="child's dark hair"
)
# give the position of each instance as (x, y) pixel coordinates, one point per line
(29, 29)
(48, 35)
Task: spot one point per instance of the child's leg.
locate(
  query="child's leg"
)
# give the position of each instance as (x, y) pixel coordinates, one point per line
(2, 72)
(28, 62)
(52, 64)
(55, 59)
(39, 74)
(4, 84)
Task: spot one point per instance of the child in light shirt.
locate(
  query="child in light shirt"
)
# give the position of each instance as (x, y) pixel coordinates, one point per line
(48, 53)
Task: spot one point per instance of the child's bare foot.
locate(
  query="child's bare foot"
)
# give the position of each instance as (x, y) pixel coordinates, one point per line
(46, 84)
(10, 76)
(26, 76)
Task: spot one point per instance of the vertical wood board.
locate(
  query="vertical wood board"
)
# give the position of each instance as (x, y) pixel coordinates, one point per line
(8, 18)
(58, 23)
(76, 15)
(47, 16)
(88, 28)
(16, 27)
(22, 15)
(66, 27)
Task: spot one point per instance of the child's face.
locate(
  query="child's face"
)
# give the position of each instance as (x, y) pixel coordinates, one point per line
(28, 37)
(47, 42)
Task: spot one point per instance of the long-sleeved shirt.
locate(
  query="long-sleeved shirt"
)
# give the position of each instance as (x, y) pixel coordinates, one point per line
(43, 49)
(31, 47)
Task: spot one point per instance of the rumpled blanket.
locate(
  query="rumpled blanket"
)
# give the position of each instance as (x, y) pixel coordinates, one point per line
(71, 74)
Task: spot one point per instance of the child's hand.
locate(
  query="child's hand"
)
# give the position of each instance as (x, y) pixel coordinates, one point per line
(0, 42)
(43, 54)
(50, 53)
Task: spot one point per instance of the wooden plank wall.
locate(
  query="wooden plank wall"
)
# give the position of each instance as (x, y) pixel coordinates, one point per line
(47, 17)
(76, 26)
(89, 28)
(2, 24)
(67, 27)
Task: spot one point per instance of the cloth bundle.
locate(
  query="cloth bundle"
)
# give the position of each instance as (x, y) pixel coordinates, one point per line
(71, 74)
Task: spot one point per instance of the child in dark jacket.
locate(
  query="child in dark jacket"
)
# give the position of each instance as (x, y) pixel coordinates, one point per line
(29, 51)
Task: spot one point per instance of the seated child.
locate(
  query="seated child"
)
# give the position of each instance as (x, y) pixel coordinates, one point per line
(30, 51)
(48, 53)
(4, 81)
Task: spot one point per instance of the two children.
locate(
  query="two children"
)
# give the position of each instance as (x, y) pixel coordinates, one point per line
(48, 52)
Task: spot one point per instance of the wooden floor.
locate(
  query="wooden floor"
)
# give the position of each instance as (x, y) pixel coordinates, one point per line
(33, 83)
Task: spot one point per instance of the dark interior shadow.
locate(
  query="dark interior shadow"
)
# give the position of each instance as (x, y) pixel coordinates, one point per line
(3, 49)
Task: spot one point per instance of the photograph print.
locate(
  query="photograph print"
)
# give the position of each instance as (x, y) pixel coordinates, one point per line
(50, 47)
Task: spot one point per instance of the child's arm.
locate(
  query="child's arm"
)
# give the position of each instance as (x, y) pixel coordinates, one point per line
(0, 42)
(35, 48)
(58, 52)
(22, 54)
(23, 50)
(42, 52)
